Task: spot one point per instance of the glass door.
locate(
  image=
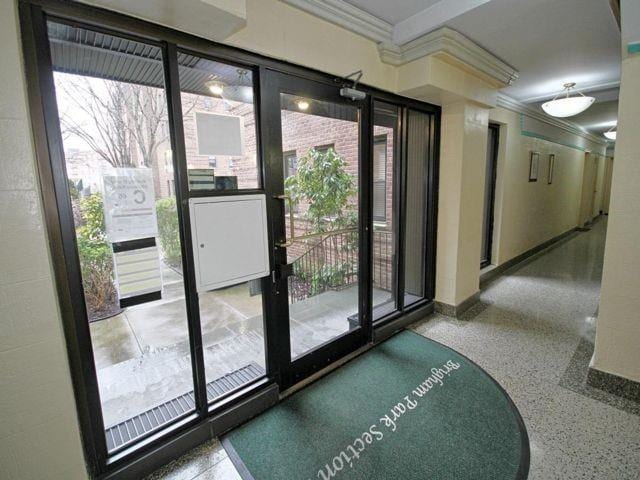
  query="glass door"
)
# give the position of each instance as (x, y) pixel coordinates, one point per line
(321, 236)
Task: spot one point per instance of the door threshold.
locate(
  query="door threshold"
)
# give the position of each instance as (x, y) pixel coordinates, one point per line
(326, 370)
(381, 333)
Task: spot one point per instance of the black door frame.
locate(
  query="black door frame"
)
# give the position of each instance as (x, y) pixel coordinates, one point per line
(494, 135)
(207, 420)
(276, 83)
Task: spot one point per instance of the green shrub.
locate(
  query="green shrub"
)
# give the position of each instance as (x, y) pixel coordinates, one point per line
(96, 260)
(92, 211)
(169, 231)
(74, 193)
(322, 181)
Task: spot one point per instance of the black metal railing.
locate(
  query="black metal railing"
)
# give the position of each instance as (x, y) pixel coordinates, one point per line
(332, 264)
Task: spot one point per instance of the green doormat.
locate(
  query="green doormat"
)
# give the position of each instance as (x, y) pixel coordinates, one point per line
(409, 408)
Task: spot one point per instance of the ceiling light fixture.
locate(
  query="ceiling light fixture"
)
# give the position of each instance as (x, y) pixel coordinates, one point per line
(611, 133)
(302, 104)
(567, 106)
(242, 90)
(215, 87)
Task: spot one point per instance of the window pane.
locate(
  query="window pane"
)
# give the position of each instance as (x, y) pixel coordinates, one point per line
(323, 290)
(415, 232)
(113, 115)
(385, 145)
(220, 140)
(219, 124)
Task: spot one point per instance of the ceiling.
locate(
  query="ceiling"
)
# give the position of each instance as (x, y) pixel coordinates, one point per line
(393, 12)
(550, 42)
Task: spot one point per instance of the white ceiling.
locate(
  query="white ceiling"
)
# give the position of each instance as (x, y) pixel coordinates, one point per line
(550, 42)
(393, 12)
(599, 118)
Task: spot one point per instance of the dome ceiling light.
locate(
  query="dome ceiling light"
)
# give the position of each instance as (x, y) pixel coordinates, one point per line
(611, 133)
(242, 91)
(567, 106)
(239, 91)
(215, 87)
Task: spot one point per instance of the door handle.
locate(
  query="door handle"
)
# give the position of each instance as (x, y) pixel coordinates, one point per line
(292, 229)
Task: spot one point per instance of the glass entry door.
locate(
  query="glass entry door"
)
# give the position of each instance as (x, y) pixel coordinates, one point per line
(316, 149)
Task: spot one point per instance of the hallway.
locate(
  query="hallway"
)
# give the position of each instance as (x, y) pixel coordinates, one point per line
(533, 331)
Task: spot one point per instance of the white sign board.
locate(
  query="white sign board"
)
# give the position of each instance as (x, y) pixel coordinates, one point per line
(219, 134)
(129, 204)
(137, 272)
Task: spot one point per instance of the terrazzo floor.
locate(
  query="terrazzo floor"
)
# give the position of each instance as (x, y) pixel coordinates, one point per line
(533, 331)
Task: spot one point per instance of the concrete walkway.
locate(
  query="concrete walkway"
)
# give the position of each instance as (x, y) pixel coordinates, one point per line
(143, 358)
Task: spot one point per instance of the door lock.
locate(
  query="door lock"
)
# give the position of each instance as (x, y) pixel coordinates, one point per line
(281, 272)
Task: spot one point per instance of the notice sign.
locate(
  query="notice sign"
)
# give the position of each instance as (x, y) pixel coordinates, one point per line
(129, 204)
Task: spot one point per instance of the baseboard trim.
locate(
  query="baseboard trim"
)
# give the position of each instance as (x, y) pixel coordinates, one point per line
(503, 267)
(610, 383)
(458, 310)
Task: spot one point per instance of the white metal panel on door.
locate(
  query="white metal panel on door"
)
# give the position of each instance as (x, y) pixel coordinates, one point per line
(229, 240)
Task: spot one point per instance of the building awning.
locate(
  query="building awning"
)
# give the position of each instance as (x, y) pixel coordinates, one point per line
(81, 51)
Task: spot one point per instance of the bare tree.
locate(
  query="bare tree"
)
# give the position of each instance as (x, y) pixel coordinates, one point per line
(106, 132)
(122, 120)
(148, 111)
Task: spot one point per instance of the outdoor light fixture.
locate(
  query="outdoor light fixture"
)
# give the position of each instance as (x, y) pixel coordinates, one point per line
(611, 133)
(302, 104)
(567, 106)
(215, 87)
(240, 92)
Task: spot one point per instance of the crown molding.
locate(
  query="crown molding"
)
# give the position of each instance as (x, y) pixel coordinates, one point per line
(512, 104)
(448, 41)
(347, 16)
(441, 41)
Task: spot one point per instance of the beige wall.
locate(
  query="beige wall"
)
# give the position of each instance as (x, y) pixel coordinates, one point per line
(617, 348)
(530, 213)
(39, 436)
(280, 31)
(460, 202)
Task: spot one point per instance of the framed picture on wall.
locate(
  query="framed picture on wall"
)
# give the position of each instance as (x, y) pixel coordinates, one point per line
(534, 166)
(552, 164)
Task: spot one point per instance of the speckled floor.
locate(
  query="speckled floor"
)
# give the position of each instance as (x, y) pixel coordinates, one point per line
(533, 332)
